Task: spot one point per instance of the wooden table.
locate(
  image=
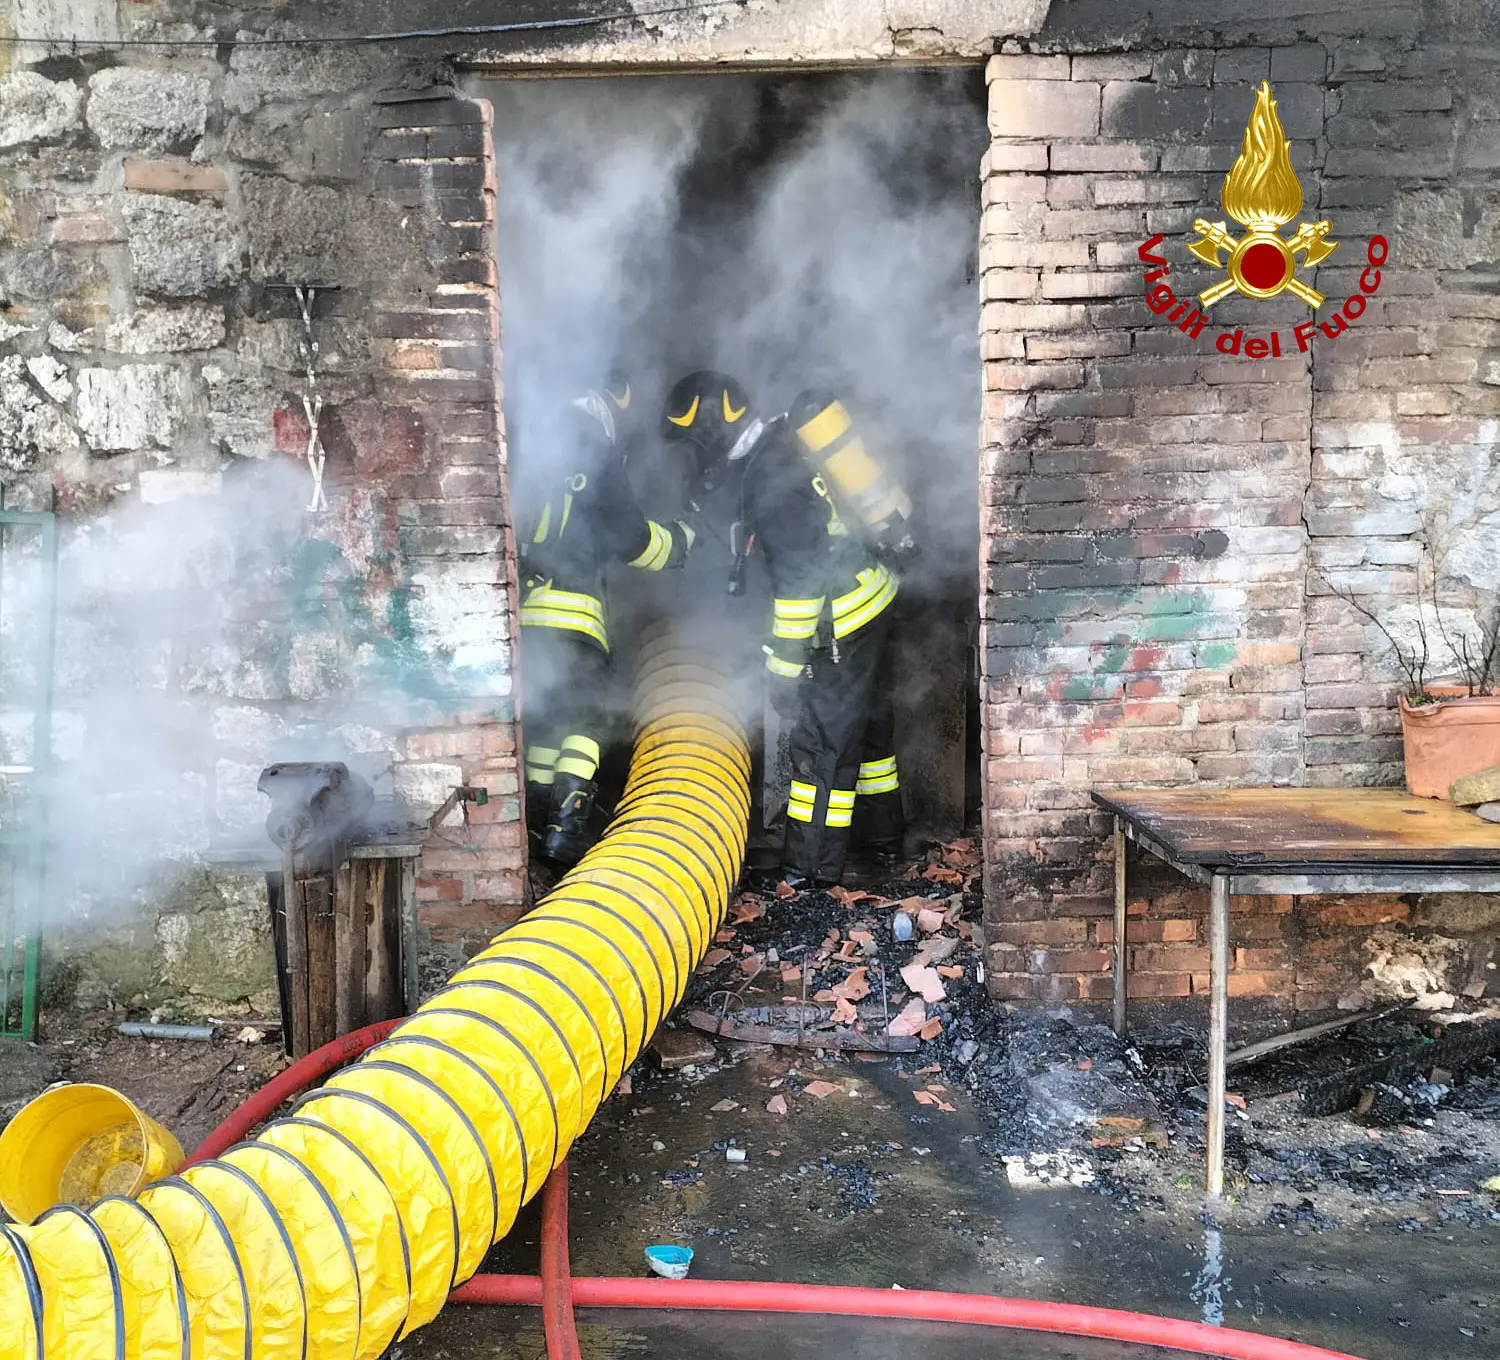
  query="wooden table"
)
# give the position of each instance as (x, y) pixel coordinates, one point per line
(1263, 842)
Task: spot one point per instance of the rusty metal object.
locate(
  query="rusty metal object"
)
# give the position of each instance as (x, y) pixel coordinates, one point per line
(1251, 1053)
(753, 1027)
(1458, 1047)
(314, 804)
(1299, 828)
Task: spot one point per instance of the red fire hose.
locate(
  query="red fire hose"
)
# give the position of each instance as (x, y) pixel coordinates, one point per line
(261, 1105)
(557, 1273)
(558, 1293)
(983, 1310)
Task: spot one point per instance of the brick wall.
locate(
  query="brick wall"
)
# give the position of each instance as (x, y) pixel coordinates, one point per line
(452, 507)
(1158, 513)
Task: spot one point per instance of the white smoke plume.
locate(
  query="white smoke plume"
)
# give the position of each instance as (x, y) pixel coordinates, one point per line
(799, 231)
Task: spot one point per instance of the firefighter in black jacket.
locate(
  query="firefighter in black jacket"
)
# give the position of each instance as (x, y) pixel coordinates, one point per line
(591, 520)
(828, 656)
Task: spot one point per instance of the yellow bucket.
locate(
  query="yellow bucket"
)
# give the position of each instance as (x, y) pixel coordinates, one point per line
(77, 1143)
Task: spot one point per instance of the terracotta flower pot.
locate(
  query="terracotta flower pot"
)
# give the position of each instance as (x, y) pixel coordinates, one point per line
(1447, 740)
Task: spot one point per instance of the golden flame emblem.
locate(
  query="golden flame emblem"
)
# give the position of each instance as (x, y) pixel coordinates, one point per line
(1262, 193)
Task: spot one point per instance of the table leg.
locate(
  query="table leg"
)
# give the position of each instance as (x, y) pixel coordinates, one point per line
(1218, 1027)
(1120, 956)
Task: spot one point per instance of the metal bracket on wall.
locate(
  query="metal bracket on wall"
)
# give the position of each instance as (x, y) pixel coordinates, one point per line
(312, 398)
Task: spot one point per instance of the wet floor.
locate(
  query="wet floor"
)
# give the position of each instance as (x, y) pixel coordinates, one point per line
(867, 1187)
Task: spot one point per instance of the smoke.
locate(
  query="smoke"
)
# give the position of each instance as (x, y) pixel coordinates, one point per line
(199, 640)
(792, 231)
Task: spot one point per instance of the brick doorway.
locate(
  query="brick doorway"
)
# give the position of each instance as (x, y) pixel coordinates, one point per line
(794, 228)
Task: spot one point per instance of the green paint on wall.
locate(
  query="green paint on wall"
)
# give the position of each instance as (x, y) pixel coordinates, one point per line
(1216, 655)
(1175, 616)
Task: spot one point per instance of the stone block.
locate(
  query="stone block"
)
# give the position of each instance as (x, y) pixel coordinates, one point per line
(1025, 67)
(120, 409)
(1009, 156)
(180, 248)
(53, 378)
(175, 177)
(312, 231)
(1237, 65)
(260, 74)
(1113, 66)
(35, 109)
(86, 229)
(1300, 108)
(326, 146)
(314, 666)
(166, 330)
(147, 109)
(1195, 66)
(1302, 61)
(1154, 113)
(240, 412)
(1128, 157)
(161, 485)
(1043, 109)
(31, 428)
(426, 785)
(1483, 787)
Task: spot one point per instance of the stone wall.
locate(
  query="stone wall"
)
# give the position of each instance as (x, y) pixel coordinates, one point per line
(1172, 529)
(151, 378)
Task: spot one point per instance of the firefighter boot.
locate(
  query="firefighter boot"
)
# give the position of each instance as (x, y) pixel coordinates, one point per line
(568, 827)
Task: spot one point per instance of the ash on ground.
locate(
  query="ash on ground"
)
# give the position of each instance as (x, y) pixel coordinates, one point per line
(1066, 1101)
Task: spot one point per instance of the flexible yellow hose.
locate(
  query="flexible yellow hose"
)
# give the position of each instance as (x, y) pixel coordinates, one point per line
(344, 1226)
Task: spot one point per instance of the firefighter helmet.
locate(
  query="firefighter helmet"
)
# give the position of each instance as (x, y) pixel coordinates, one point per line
(708, 412)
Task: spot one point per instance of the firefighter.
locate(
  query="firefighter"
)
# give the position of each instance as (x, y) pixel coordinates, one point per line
(590, 520)
(828, 657)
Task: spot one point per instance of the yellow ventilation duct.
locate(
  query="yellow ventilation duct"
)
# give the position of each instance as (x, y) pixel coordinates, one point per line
(344, 1226)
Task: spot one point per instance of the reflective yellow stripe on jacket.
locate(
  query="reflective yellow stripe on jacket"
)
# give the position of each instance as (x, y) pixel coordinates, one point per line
(876, 589)
(546, 607)
(795, 619)
(657, 552)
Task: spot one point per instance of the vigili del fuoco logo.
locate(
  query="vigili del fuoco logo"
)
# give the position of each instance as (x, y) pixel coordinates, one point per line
(1262, 193)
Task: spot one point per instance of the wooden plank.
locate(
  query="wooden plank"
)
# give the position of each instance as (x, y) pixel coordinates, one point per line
(383, 940)
(349, 947)
(295, 901)
(322, 962)
(408, 903)
(277, 904)
(1232, 827)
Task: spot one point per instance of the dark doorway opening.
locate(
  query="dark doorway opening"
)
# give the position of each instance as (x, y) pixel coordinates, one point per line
(791, 229)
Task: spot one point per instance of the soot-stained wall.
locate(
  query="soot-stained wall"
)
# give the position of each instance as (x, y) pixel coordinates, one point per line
(1179, 527)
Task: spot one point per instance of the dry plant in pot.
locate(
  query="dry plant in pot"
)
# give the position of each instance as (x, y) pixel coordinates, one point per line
(1450, 725)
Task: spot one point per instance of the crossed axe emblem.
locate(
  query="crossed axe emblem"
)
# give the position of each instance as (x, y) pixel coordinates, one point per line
(1261, 263)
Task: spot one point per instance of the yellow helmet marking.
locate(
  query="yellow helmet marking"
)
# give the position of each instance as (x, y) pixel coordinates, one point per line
(730, 414)
(688, 418)
(622, 399)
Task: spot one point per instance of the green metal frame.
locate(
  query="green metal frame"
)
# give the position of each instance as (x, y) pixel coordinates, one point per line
(24, 843)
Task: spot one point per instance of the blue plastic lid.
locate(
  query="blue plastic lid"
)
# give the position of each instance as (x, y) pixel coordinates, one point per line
(671, 1256)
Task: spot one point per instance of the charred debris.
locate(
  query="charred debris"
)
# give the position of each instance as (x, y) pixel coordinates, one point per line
(1061, 1096)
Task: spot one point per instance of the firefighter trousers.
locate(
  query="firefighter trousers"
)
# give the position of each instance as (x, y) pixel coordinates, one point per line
(843, 755)
(563, 712)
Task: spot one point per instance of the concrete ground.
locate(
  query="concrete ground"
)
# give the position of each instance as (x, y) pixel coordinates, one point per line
(866, 1186)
